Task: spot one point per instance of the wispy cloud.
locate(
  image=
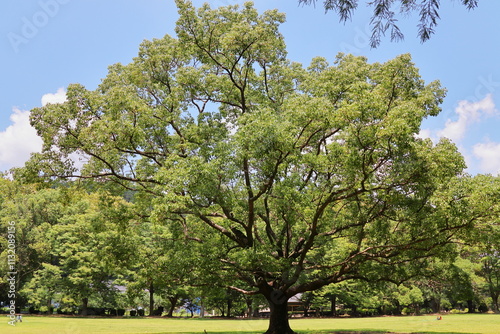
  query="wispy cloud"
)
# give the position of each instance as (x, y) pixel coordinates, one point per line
(468, 113)
(484, 156)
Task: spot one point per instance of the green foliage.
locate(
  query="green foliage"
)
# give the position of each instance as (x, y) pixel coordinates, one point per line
(87, 247)
(43, 287)
(286, 179)
(409, 296)
(31, 212)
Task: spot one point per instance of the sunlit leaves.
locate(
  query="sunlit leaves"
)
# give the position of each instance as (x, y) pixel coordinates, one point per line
(295, 177)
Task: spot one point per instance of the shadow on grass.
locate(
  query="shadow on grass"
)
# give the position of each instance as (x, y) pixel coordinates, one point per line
(378, 332)
(309, 332)
(334, 332)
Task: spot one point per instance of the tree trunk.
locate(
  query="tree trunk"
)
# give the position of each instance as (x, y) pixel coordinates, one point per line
(354, 310)
(151, 299)
(417, 309)
(494, 296)
(333, 303)
(471, 306)
(202, 308)
(249, 303)
(85, 304)
(49, 306)
(436, 304)
(229, 306)
(398, 310)
(173, 303)
(278, 322)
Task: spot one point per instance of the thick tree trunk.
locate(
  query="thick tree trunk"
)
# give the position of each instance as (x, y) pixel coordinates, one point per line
(173, 303)
(495, 296)
(471, 306)
(398, 310)
(151, 299)
(278, 322)
(436, 304)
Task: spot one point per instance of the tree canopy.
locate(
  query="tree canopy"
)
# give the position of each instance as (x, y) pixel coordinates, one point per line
(384, 18)
(298, 177)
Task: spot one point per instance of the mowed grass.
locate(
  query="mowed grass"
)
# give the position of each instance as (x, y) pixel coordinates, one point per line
(463, 323)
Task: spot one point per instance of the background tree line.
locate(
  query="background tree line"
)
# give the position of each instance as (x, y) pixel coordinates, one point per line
(81, 249)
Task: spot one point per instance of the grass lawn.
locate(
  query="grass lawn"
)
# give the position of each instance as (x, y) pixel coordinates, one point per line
(460, 323)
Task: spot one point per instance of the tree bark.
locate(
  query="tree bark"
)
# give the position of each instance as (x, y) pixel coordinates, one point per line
(49, 306)
(494, 296)
(249, 303)
(229, 307)
(438, 304)
(471, 306)
(85, 303)
(333, 305)
(151, 299)
(398, 310)
(173, 303)
(278, 322)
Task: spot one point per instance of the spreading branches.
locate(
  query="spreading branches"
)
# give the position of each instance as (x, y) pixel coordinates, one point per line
(290, 178)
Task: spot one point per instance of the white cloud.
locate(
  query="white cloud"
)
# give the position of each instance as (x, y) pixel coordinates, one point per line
(489, 156)
(58, 97)
(484, 155)
(468, 113)
(18, 141)
(424, 134)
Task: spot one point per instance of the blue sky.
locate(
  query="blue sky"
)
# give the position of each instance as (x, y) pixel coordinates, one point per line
(48, 44)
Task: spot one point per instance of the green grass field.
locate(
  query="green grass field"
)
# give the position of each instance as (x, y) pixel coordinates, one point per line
(461, 323)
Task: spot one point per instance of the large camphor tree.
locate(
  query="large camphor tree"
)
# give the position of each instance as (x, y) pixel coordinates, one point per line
(300, 177)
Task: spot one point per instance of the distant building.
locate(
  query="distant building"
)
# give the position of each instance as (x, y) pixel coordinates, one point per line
(294, 306)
